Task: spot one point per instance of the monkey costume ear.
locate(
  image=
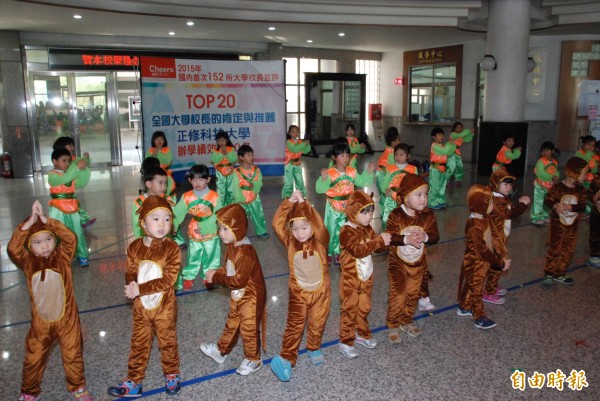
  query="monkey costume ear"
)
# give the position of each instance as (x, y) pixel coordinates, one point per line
(372, 194)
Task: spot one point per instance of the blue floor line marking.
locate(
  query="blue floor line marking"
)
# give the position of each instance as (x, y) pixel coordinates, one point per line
(333, 342)
(103, 308)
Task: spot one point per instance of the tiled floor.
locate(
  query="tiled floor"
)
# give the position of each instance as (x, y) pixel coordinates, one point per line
(540, 328)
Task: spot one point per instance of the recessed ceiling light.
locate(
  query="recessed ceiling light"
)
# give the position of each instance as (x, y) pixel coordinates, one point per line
(190, 23)
(171, 33)
(341, 34)
(271, 28)
(309, 41)
(77, 16)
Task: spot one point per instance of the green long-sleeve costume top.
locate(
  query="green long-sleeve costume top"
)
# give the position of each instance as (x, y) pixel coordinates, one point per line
(545, 169)
(445, 149)
(217, 157)
(363, 179)
(164, 156)
(242, 178)
(81, 177)
(203, 210)
(460, 138)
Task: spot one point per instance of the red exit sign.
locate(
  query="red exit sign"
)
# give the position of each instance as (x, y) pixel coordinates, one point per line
(399, 81)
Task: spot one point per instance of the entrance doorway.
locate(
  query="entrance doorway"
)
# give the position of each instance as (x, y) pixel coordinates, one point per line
(80, 105)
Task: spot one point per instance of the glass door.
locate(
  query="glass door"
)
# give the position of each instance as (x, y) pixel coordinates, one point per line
(52, 114)
(92, 123)
(76, 105)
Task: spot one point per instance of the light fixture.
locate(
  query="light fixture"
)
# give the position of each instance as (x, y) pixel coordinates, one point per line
(190, 23)
(309, 41)
(5, 354)
(530, 64)
(172, 33)
(271, 28)
(77, 16)
(488, 63)
(341, 34)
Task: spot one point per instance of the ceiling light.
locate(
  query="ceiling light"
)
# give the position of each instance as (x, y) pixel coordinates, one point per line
(488, 63)
(271, 28)
(5, 354)
(309, 41)
(341, 34)
(190, 23)
(77, 16)
(171, 33)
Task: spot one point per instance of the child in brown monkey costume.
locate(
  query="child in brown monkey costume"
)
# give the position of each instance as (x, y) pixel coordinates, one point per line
(44, 248)
(301, 229)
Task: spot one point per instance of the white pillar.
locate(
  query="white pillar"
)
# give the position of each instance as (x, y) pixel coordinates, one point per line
(508, 41)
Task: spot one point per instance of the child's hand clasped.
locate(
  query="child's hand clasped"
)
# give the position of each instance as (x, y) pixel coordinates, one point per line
(132, 290)
(387, 238)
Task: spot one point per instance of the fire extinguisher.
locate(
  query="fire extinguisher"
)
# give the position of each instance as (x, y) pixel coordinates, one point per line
(7, 167)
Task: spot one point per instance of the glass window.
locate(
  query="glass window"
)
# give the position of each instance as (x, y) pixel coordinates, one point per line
(36, 55)
(432, 93)
(371, 69)
(308, 65)
(294, 80)
(291, 71)
(328, 65)
(291, 95)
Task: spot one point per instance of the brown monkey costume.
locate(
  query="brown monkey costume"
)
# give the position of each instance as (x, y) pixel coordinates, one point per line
(357, 243)
(54, 314)
(243, 274)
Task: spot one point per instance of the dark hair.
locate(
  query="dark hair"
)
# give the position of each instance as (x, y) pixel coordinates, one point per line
(198, 171)
(350, 125)
(244, 149)
(436, 130)
(151, 172)
(456, 124)
(405, 147)
(62, 142)
(58, 153)
(547, 145)
(223, 134)
(287, 134)
(340, 148)
(391, 135)
(587, 139)
(149, 162)
(158, 134)
(507, 136)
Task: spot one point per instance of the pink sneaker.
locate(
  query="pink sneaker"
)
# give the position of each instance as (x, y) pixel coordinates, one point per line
(501, 291)
(28, 397)
(493, 299)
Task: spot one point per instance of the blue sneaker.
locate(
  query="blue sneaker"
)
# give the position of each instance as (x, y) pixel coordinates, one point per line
(463, 312)
(173, 384)
(437, 207)
(264, 236)
(316, 357)
(126, 389)
(444, 205)
(282, 368)
(484, 323)
(83, 262)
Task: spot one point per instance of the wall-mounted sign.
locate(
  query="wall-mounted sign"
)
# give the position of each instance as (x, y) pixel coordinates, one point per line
(399, 81)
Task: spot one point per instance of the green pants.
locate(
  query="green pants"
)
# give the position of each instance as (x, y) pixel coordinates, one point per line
(539, 211)
(333, 223)
(224, 188)
(73, 221)
(84, 217)
(202, 256)
(256, 213)
(437, 188)
(454, 168)
(379, 177)
(388, 205)
(292, 175)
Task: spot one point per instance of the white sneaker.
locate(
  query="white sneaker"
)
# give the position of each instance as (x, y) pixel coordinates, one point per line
(211, 351)
(425, 305)
(366, 342)
(248, 367)
(595, 261)
(347, 350)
